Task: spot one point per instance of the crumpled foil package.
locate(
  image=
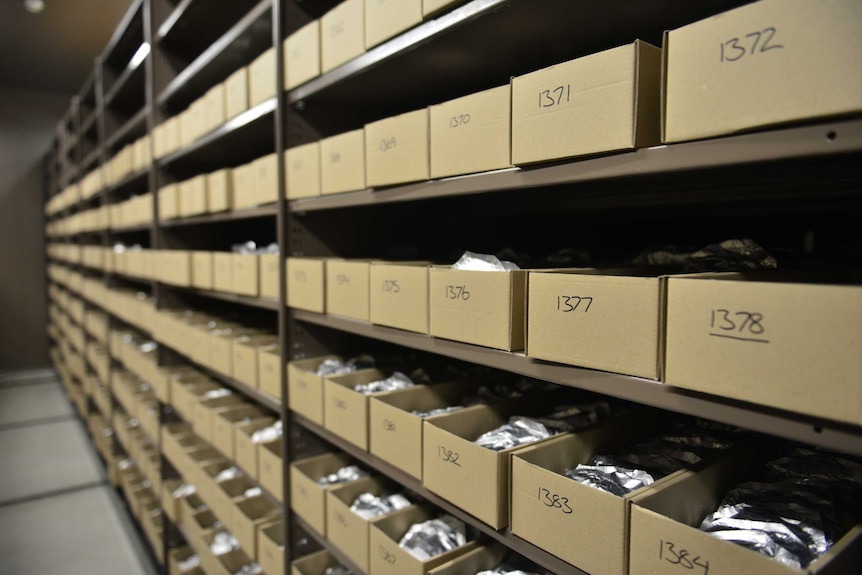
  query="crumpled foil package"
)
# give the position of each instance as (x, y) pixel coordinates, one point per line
(252, 492)
(214, 393)
(249, 569)
(483, 263)
(189, 563)
(368, 505)
(727, 256)
(433, 537)
(523, 430)
(507, 569)
(223, 542)
(343, 475)
(794, 514)
(337, 571)
(229, 473)
(268, 434)
(395, 381)
(438, 411)
(332, 366)
(183, 490)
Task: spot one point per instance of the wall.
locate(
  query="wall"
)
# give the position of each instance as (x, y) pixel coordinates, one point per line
(27, 124)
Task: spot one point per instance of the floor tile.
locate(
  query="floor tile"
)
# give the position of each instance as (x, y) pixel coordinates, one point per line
(32, 402)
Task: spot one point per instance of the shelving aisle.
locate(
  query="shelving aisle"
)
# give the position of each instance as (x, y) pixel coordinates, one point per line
(58, 512)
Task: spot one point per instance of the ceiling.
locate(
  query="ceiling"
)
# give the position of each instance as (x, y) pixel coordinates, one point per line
(54, 51)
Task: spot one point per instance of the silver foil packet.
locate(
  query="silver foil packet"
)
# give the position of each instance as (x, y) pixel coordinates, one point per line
(395, 381)
(337, 571)
(252, 492)
(333, 366)
(189, 563)
(183, 490)
(343, 475)
(229, 473)
(214, 393)
(437, 411)
(433, 537)
(483, 263)
(268, 434)
(249, 569)
(368, 505)
(609, 478)
(507, 570)
(223, 542)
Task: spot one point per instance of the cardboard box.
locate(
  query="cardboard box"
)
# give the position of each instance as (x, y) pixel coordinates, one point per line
(313, 564)
(269, 266)
(390, 559)
(595, 319)
(762, 65)
(269, 370)
(307, 499)
(271, 468)
(471, 134)
(245, 449)
(302, 171)
(216, 106)
(179, 555)
(600, 103)
(169, 202)
(228, 564)
(482, 308)
(397, 149)
(266, 179)
(219, 191)
(383, 20)
(306, 284)
(245, 356)
(200, 526)
(249, 514)
(225, 494)
(270, 548)
(346, 530)
(236, 92)
(764, 338)
(261, 78)
(342, 161)
(347, 289)
(399, 295)
(202, 270)
(302, 55)
(305, 387)
(193, 196)
(226, 422)
(223, 270)
(430, 7)
(244, 193)
(205, 411)
(246, 273)
(342, 34)
(172, 137)
(345, 411)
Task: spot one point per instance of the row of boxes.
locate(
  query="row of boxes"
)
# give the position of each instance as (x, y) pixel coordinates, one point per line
(131, 158)
(605, 102)
(67, 197)
(91, 183)
(135, 211)
(680, 329)
(98, 358)
(96, 324)
(70, 253)
(138, 445)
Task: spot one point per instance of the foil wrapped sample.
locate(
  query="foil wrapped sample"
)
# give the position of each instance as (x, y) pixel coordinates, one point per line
(229, 473)
(189, 563)
(343, 475)
(249, 569)
(433, 537)
(729, 255)
(183, 490)
(507, 569)
(252, 492)
(332, 366)
(483, 263)
(214, 393)
(337, 571)
(223, 542)
(395, 381)
(437, 411)
(603, 473)
(268, 434)
(794, 514)
(368, 505)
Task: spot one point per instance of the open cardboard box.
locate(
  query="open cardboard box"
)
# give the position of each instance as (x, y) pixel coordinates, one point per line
(206, 410)
(189, 506)
(399, 295)
(307, 498)
(305, 387)
(245, 354)
(225, 423)
(270, 548)
(269, 369)
(245, 449)
(199, 526)
(170, 504)
(271, 468)
(313, 564)
(269, 272)
(224, 495)
(474, 561)
(186, 394)
(178, 555)
(388, 558)
(347, 291)
(227, 564)
(248, 515)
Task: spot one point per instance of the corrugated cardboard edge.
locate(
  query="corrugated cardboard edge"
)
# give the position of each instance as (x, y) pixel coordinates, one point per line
(647, 97)
(665, 51)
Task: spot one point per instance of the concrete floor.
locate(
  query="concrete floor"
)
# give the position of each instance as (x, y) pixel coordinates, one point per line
(58, 513)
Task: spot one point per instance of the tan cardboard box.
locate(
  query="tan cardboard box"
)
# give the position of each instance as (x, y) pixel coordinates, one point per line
(271, 468)
(245, 448)
(245, 350)
(399, 295)
(306, 284)
(227, 564)
(302, 55)
(198, 119)
(204, 413)
(169, 202)
(389, 558)
(596, 319)
(173, 137)
(430, 7)
(269, 370)
(261, 78)
(307, 499)
(313, 564)
(266, 179)
(199, 526)
(345, 411)
(662, 517)
(305, 387)
(223, 271)
(244, 191)
(216, 106)
(269, 275)
(347, 288)
(765, 338)
(220, 191)
(225, 423)
(179, 555)
(225, 495)
(482, 308)
(342, 34)
(762, 65)
(202, 270)
(383, 20)
(198, 195)
(397, 149)
(246, 273)
(270, 548)
(302, 171)
(249, 514)
(471, 134)
(342, 161)
(180, 266)
(600, 103)
(236, 92)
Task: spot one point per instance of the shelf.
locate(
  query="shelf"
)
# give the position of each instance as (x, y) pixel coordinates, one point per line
(528, 550)
(339, 555)
(241, 139)
(127, 92)
(130, 229)
(126, 38)
(243, 214)
(129, 278)
(91, 159)
(249, 37)
(258, 302)
(134, 182)
(776, 145)
(828, 434)
(133, 128)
